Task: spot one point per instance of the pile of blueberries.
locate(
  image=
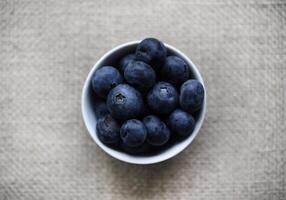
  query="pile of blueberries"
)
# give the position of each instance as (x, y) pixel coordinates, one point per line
(147, 101)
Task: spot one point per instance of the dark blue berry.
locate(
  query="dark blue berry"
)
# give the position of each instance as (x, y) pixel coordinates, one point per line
(108, 130)
(175, 70)
(133, 133)
(151, 51)
(104, 79)
(162, 98)
(157, 131)
(140, 75)
(124, 102)
(140, 150)
(181, 123)
(100, 109)
(125, 61)
(191, 96)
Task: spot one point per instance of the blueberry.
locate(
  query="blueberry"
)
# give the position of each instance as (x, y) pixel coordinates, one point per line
(100, 109)
(175, 70)
(142, 149)
(157, 131)
(151, 51)
(133, 133)
(181, 123)
(140, 75)
(124, 102)
(192, 96)
(162, 98)
(108, 130)
(104, 79)
(125, 61)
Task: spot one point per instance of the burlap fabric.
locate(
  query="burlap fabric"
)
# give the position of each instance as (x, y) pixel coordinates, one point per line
(46, 51)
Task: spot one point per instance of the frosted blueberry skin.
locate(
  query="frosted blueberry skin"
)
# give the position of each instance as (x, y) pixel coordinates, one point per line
(152, 52)
(100, 108)
(162, 98)
(157, 132)
(191, 96)
(133, 133)
(108, 130)
(124, 102)
(125, 61)
(181, 123)
(175, 70)
(140, 75)
(104, 79)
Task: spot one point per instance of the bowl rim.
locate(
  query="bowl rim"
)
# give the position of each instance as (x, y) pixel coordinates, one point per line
(133, 159)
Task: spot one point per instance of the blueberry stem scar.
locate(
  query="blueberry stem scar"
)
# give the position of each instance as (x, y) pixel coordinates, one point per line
(120, 98)
(163, 90)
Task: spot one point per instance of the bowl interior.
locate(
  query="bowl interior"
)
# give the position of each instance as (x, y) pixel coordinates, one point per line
(111, 58)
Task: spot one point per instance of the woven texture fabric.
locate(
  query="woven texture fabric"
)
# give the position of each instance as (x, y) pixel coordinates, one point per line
(46, 51)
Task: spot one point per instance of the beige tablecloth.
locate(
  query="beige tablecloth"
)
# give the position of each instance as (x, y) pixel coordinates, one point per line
(46, 51)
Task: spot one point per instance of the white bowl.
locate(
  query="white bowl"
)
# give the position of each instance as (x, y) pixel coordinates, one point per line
(89, 116)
